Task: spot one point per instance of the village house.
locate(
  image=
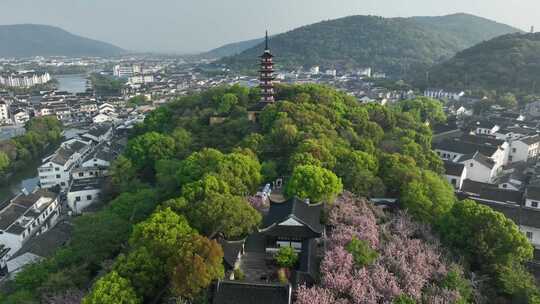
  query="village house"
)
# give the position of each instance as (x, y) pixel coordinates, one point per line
(83, 193)
(25, 216)
(455, 173)
(442, 94)
(56, 168)
(485, 127)
(524, 149)
(4, 113)
(20, 116)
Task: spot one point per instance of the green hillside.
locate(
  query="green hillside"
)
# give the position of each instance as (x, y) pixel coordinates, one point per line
(507, 63)
(27, 40)
(397, 46)
(231, 48)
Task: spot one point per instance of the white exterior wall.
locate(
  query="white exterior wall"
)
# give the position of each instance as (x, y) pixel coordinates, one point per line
(51, 174)
(95, 162)
(79, 200)
(478, 172)
(500, 157)
(529, 203)
(458, 179)
(521, 151)
(3, 112)
(21, 118)
(487, 131)
(532, 233)
(15, 241)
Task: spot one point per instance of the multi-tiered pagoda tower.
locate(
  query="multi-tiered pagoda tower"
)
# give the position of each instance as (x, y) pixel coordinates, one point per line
(267, 74)
(266, 79)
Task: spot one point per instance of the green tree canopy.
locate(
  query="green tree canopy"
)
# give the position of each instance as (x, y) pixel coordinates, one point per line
(486, 237)
(164, 232)
(146, 149)
(195, 268)
(222, 212)
(143, 269)
(424, 109)
(428, 198)
(112, 289)
(314, 183)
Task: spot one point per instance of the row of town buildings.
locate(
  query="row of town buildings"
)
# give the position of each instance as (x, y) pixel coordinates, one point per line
(24, 79)
(70, 180)
(494, 160)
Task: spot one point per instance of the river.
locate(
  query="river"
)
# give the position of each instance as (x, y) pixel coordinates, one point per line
(24, 178)
(75, 83)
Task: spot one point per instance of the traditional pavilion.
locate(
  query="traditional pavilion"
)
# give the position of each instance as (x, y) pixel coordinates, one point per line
(292, 224)
(266, 78)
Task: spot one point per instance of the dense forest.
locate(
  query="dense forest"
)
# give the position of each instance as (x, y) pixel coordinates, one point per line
(510, 63)
(396, 46)
(182, 182)
(41, 134)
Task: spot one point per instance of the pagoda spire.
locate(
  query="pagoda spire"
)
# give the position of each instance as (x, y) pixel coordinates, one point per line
(267, 74)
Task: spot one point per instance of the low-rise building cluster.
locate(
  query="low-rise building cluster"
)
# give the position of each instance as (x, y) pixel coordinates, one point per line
(24, 79)
(494, 160)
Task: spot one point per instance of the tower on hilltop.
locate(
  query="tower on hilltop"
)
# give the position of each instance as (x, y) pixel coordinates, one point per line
(267, 74)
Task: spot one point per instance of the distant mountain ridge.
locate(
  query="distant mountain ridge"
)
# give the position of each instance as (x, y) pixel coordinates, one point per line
(28, 40)
(392, 45)
(508, 63)
(231, 49)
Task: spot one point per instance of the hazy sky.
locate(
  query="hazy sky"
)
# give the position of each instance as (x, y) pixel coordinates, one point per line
(196, 25)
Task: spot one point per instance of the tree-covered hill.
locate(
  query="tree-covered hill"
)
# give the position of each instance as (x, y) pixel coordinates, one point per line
(392, 45)
(183, 181)
(27, 40)
(509, 63)
(231, 49)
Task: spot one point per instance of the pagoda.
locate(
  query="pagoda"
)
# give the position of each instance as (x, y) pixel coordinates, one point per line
(267, 74)
(266, 78)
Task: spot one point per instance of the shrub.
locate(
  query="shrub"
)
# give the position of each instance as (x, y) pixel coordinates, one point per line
(404, 299)
(454, 280)
(239, 274)
(286, 257)
(362, 254)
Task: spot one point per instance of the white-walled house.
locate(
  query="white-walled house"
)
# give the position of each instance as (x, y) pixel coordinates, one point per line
(480, 168)
(27, 215)
(56, 168)
(486, 128)
(455, 173)
(102, 158)
(4, 114)
(20, 117)
(83, 193)
(462, 111)
(100, 133)
(532, 198)
(524, 149)
(106, 108)
(452, 149)
(101, 118)
(442, 94)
